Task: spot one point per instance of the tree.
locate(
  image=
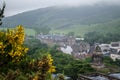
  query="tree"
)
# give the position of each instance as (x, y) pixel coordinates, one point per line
(71, 34)
(2, 12)
(94, 37)
(78, 67)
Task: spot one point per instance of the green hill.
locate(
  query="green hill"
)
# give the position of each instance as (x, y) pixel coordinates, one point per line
(80, 20)
(108, 27)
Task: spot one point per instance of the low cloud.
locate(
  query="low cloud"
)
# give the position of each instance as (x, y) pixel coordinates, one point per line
(17, 6)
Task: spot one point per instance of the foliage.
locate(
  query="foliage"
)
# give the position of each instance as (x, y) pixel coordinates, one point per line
(11, 45)
(43, 30)
(30, 69)
(109, 62)
(62, 62)
(42, 67)
(36, 48)
(69, 65)
(16, 64)
(78, 67)
(96, 37)
(71, 34)
(111, 66)
(104, 70)
(88, 59)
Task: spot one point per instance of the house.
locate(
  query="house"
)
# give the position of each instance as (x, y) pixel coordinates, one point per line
(68, 44)
(115, 50)
(80, 49)
(115, 56)
(66, 49)
(52, 39)
(112, 50)
(80, 39)
(71, 40)
(115, 44)
(105, 49)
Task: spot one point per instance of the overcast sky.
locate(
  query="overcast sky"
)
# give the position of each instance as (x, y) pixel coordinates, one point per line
(18, 6)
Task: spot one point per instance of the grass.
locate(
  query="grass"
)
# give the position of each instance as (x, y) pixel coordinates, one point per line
(28, 31)
(112, 26)
(79, 30)
(108, 27)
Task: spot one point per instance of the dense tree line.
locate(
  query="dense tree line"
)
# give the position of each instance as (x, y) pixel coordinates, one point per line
(96, 37)
(43, 30)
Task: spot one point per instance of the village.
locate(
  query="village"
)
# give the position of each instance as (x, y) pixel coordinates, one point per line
(80, 49)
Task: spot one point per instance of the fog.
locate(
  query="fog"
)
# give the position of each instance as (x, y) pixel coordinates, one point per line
(18, 6)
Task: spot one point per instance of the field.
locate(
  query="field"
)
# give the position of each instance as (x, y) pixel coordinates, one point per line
(28, 31)
(77, 29)
(108, 27)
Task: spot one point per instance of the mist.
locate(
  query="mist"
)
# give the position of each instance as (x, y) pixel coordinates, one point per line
(17, 6)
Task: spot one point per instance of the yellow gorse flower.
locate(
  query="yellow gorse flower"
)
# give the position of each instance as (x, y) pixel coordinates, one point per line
(44, 64)
(11, 43)
(50, 62)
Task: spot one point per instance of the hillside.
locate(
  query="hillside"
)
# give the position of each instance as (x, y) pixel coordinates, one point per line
(112, 26)
(76, 19)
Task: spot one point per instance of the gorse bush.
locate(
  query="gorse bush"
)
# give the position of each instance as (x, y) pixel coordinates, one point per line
(13, 58)
(36, 70)
(42, 67)
(11, 45)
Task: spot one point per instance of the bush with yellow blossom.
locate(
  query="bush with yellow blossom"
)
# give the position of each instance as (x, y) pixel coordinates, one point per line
(12, 50)
(42, 67)
(11, 45)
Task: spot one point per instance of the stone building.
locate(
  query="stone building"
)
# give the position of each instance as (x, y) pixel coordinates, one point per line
(80, 49)
(97, 57)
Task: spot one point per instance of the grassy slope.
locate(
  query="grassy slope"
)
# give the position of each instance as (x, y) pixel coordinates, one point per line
(28, 31)
(109, 27)
(78, 29)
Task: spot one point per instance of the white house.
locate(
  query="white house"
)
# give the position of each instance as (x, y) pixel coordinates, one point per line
(66, 49)
(115, 56)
